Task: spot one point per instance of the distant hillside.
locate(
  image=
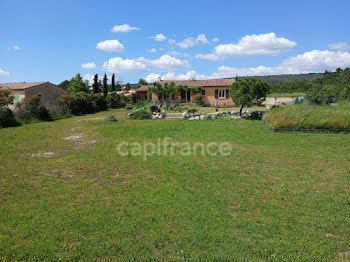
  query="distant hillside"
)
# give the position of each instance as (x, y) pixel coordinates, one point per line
(289, 79)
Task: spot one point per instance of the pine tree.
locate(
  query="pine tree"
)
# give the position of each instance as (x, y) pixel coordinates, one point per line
(95, 85)
(105, 86)
(127, 87)
(113, 83)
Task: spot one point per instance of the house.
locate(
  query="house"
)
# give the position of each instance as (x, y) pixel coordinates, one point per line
(127, 92)
(214, 92)
(48, 93)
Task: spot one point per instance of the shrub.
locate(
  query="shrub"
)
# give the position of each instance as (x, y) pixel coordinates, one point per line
(141, 113)
(322, 94)
(78, 103)
(192, 110)
(99, 103)
(7, 118)
(30, 108)
(43, 114)
(111, 118)
(198, 99)
(115, 100)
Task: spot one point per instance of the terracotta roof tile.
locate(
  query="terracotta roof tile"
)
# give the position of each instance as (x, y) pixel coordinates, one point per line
(20, 85)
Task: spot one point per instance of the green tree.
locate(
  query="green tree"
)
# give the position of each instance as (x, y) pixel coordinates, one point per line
(127, 87)
(77, 84)
(6, 98)
(118, 87)
(142, 82)
(113, 87)
(248, 91)
(105, 86)
(64, 85)
(95, 85)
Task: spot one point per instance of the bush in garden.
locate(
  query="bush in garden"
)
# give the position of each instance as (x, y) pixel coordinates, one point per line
(100, 103)
(141, 113)
(43, 114)
(79, 103)
(30, 108)
(7, 119)
(115, 100)
(198, 99)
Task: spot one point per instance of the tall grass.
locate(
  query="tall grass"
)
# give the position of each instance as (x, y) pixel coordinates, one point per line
(311, 117)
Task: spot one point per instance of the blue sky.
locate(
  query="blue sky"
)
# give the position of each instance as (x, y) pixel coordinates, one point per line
(54, 40)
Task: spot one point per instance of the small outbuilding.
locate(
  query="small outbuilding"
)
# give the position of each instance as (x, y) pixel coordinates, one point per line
(48, 93)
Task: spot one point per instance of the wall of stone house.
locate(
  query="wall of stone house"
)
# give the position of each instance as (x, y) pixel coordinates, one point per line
(21, 95)
(49, 95)
(210, 99)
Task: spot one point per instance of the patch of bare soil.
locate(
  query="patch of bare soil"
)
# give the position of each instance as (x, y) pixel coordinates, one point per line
(80, 140)
(43, 154)
(91, 119)
(74, 137)
(344, 256)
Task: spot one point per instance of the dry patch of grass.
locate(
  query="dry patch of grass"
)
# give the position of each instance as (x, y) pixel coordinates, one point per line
(310, 117)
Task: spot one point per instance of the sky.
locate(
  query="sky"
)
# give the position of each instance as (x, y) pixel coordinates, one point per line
(193, 39)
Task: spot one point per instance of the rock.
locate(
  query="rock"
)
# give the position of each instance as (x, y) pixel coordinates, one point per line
(196, 118)
(235, 117)
(202, 117)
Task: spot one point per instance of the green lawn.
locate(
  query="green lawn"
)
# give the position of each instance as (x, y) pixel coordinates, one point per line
(277, 197)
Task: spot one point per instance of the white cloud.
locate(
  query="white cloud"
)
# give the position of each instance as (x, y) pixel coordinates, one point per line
(263, 44)
(4, 73)
(90, 78)
(202, 39)
(89, 65)
(118, 64)
(308, 62)
(124, 28)
(152, 50)
(16, 47)
(171, 42)
(165, 62)
(339, 46)
(191, 41)
(211, 57)
(159, 37)
(172, 76)
(110, 46)
(152, 77)
(215, 39)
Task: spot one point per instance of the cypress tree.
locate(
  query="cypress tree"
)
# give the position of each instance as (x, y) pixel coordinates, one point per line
(105, 86)
(113, 83)
(95, 85)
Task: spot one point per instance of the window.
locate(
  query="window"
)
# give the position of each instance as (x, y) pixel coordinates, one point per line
(222, 93)
(203, 92)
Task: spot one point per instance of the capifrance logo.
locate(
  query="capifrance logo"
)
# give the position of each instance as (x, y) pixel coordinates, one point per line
(169, 147)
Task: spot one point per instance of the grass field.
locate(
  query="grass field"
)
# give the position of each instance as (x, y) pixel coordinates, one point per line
(307, 116)
(65, 193)
(296, 94)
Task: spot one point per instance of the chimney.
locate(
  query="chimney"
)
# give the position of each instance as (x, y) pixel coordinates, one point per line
(159, 78)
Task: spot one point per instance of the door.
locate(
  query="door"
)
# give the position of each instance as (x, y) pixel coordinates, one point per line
(188, 96)
(183, 96)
